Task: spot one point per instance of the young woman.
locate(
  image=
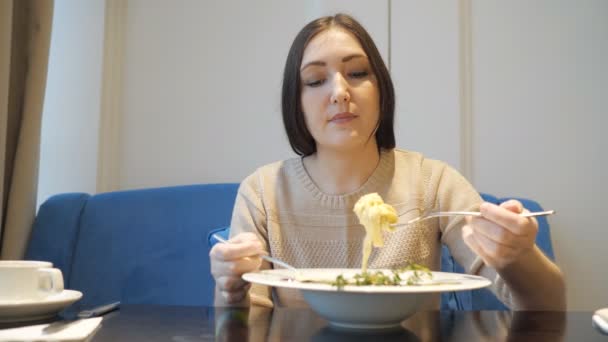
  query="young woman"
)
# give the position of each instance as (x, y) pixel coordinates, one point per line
(338, 108)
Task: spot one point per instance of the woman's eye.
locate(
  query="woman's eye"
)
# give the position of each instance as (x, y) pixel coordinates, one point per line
(359, 74)
(314, 83)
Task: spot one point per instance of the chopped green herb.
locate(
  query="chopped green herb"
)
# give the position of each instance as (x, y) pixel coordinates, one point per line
(378, 278)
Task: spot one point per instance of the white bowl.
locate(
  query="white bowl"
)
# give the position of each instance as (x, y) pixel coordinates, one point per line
(364, 307)
(351, 310)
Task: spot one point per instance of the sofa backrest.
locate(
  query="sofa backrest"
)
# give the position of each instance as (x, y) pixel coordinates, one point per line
(55, 231)
(137, 246)
(151, 246)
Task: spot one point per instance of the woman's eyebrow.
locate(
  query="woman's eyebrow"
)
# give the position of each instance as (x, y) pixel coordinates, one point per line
(356, 55)
(344, 59)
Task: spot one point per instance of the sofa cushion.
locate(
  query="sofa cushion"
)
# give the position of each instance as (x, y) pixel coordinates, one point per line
(55, 231)
(150, 246)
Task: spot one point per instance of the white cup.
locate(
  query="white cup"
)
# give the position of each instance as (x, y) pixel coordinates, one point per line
(24, 280)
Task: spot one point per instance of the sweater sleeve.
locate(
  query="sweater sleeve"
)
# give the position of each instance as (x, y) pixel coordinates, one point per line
(249, 215)
(454, 192)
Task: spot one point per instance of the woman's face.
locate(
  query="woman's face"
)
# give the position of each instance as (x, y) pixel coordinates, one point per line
(340, 96)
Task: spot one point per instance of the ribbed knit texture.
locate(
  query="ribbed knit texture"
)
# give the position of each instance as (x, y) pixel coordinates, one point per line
(307, 228)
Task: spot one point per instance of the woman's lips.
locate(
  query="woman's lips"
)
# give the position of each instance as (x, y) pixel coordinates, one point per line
(343, 117)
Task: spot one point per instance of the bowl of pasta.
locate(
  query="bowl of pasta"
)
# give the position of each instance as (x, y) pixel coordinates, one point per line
(368, 298)
(375, 300)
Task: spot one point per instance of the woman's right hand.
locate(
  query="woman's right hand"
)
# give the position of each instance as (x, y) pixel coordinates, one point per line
(230, 260)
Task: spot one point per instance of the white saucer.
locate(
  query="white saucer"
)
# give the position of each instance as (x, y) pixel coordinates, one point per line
(37, 310)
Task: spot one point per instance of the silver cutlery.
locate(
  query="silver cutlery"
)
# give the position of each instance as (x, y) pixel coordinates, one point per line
(99, 311)
(463, 213)
(263, 256)
(70, 319)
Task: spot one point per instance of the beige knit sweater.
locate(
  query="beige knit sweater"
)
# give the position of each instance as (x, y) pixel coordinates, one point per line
(305, 227)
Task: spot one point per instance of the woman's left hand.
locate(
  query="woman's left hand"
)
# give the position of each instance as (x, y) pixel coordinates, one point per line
(500, 236)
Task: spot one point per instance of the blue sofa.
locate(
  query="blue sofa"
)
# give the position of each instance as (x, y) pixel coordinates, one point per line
(152, 245)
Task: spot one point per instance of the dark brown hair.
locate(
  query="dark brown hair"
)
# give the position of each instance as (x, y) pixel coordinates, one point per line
(300, 139)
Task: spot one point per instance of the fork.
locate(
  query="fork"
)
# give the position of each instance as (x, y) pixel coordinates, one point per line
(464, 213)
(297, 275)
(263, 256)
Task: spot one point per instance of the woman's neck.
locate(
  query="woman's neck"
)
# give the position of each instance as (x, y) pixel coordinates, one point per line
(341, 172)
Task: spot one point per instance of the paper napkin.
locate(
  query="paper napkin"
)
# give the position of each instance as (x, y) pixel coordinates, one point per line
(78, 330)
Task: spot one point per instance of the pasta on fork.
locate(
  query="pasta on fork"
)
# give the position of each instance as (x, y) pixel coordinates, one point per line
(375, 216)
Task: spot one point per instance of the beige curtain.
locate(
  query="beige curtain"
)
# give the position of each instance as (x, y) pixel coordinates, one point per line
(25, 34)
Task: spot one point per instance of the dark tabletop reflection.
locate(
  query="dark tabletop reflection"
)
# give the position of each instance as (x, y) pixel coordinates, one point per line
(300, 324)
(526, 326)
(333, 334)
(503, 326)
(188, 324)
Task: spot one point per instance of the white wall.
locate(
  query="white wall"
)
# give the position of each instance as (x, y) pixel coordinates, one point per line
(203, 85)
(540, 114)
(70, 120)
(425, 69)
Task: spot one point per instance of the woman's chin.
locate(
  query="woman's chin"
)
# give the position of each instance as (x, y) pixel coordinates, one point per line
(355, 143)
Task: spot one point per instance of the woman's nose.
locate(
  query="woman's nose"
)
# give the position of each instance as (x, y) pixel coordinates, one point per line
(340, 92)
